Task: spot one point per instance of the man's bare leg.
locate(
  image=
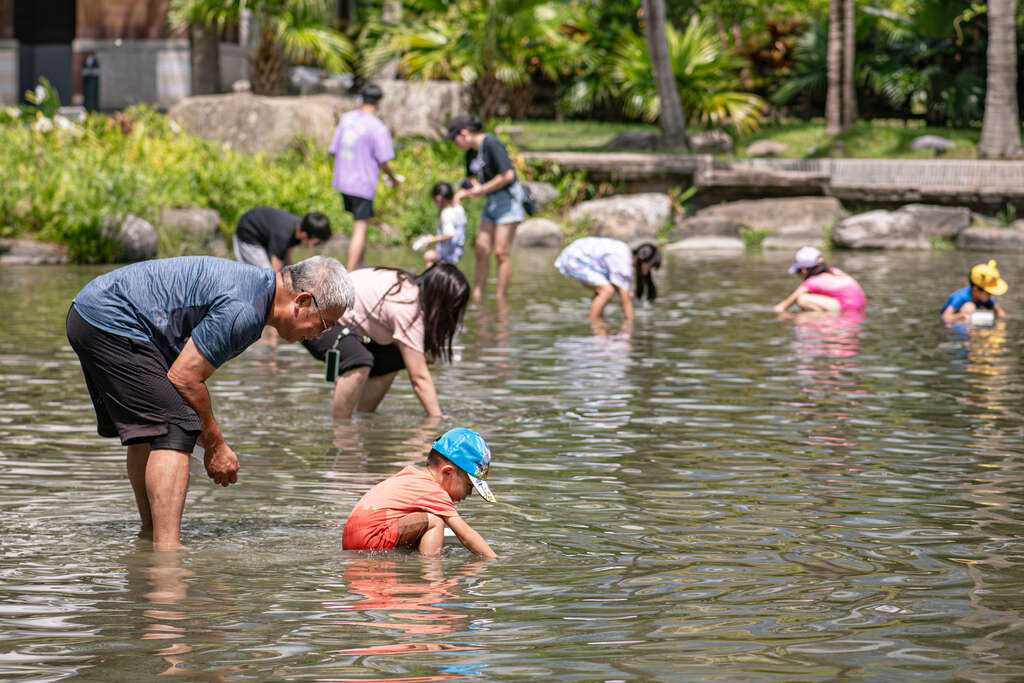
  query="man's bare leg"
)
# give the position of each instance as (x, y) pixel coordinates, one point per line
(348, 388)
(357, 245)
(166, 486)
(138, 457)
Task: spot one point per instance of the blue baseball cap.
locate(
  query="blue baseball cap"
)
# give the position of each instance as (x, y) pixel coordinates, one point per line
(469, 452)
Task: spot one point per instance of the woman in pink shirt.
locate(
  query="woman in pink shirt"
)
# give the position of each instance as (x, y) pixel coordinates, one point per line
(398, 321)
(823, 288)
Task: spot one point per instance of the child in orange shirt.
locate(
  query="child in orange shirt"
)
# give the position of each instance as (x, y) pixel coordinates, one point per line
(410, 509)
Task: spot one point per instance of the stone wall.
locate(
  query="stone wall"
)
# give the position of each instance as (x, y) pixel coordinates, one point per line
(123, 19)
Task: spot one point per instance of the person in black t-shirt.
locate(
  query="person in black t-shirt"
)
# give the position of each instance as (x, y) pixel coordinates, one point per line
(265, 235)
(491, 175)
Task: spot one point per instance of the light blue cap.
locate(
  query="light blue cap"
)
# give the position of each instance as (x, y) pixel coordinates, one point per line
(469, 452)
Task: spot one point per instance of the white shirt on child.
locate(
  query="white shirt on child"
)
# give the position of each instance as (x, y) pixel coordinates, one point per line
(453, 222)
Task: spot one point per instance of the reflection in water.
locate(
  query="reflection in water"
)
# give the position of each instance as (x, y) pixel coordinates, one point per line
(414, 598)
(719, 496)
(826, 346)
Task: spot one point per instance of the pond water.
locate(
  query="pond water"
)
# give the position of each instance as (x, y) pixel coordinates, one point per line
(723, 496)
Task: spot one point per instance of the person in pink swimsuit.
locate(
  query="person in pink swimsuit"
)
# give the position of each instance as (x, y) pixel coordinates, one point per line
(823, 288)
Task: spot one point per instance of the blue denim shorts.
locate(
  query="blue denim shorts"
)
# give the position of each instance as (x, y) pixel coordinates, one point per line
(504, 205)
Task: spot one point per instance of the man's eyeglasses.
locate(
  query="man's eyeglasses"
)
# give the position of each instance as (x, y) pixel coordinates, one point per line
(322, 319)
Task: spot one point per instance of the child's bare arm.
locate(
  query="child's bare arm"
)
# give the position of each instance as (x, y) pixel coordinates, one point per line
(469, 537)
(998, 311)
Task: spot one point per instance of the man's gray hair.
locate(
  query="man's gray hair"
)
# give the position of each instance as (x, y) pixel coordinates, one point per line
(325, 278)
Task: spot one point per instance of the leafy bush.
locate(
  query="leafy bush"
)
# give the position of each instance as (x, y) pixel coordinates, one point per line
(72, 185)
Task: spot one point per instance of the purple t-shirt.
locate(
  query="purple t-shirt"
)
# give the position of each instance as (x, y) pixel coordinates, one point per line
(361, 144)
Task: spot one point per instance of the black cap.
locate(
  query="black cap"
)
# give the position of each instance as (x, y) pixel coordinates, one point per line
(371, 93)
(462, 122)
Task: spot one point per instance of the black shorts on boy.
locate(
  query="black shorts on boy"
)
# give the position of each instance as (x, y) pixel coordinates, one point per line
(361, 208)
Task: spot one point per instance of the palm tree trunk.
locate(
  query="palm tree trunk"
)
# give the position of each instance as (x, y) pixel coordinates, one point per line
(833, 70)
(849, 66)
(267, 66)
(204, 56)
(1000, 129)
(672, 119)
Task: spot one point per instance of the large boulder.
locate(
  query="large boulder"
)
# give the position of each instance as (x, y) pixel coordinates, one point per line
(543, 193)
(771, 214)
(879, 230)
(632, 213)
(635, 139)
(711, 142)
(421, 107)
(254, 123)
(767, 148)
(932, 143)
(910, 227)
(201, 226)
(539, 232)
(939, 221)
(705, 226)
(792, 237)
(993, 240)
(138, 239)
(30, 252)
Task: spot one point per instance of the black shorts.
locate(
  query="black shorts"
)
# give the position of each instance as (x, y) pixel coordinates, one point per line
(382, 359)
(361, 208)
(127, 381)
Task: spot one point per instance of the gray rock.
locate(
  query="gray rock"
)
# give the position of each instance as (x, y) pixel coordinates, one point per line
(772, 214)
(704, 226)
(539, 232)
(138, 239)
(993, 240)
(543, 193)
(254, 123)
(792, 237)
(421, 107)
(767, 148)
(933, 143)
(627, 230)
(650, 210)
(635, 139)
(981, 221)
(879, 230)
(199, 225)
(30, 252)
(711, 142)
(910, 227)
(704, 243)
(939, 221)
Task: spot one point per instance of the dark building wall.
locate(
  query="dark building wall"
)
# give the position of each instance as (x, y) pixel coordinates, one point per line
(6, 19)
(126, 19)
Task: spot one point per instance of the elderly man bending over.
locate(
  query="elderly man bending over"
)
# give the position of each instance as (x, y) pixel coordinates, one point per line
(149, 335)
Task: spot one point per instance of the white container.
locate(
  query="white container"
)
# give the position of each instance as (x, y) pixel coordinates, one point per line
(983, 317)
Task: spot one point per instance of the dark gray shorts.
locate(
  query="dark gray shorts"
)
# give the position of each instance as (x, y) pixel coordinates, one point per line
(127, 381)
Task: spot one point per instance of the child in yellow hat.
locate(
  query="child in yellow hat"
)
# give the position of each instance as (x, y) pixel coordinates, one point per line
(985, 283)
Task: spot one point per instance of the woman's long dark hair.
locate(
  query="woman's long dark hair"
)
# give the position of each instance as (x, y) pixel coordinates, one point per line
(816, 269)
(444, 293)
(646, 253)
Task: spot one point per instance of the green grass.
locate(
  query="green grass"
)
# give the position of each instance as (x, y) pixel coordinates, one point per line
(544, 136)
(879, 139)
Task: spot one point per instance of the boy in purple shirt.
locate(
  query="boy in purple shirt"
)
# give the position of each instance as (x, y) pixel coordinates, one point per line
(361, 147)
